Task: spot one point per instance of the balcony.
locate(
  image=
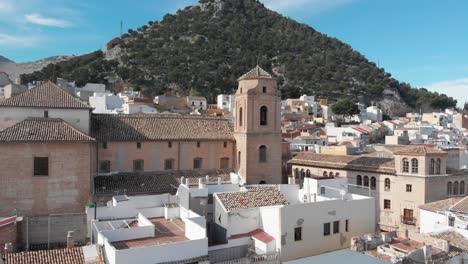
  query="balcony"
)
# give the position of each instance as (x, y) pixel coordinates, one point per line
(408, 220)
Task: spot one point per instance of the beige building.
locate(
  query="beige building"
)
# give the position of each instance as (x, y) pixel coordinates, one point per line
(257, 128)
(153, 143)
(405, 179)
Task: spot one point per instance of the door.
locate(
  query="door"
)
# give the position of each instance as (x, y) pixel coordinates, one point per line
(408, 216)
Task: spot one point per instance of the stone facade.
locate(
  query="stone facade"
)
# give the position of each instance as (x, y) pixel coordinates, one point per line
(66, 189)
(257, 95)
(122, 155)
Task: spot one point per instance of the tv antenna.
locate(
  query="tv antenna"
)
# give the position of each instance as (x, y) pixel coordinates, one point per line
(121, 28)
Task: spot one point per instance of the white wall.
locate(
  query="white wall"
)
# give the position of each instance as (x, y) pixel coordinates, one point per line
(78, 118)
(243, 221)
(271, 217)
(432, 222)
(361, 215)
(195, 228)
(162, 253)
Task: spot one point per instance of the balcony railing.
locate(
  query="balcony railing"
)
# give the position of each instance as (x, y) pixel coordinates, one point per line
(408, 220)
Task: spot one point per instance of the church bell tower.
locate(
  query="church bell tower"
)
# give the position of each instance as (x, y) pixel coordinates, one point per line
(257, 128)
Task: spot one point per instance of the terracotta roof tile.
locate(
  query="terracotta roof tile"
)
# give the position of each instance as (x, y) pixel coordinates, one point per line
(442, 205)
(454, 239)
(141, 127)
(346, 162)
(46, 95)
(55, 256)
(251, 199)
(420, 151)
(42, 130)
(149, 182)
(256, 73)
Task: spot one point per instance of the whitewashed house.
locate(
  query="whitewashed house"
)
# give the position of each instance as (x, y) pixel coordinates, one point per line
(106, 103)
(293, 222)
(226, 102)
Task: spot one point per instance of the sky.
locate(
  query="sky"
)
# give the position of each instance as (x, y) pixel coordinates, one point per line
(422, 42)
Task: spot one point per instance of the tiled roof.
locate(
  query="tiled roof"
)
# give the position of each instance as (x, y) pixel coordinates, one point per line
(422, 150)
(46, 95)
(149, 182)
(42, 130)
(142, 127)
(256, 73)
(439, 206)
(251, 199)
(345, 162)
(454, 239)
(461, 206)
(55, 256)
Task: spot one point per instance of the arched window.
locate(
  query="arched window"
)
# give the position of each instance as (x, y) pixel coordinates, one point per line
(262, 182)
(455, 188)
(449, 188)
(308, 173)
(337, 174)
(359, 180)
(263, 115)
(438, 166)
(432, 167)
(331, 174)
(462, 187)
(325, 174)
(302, 174)
(414, 166)
(262, 154)
(405, 165)
(240, 116)
(366, 181)
(296, 173)
(387, 184)
(373, 183)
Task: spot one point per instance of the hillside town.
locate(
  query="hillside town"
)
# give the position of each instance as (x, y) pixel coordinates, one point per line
(89, 175)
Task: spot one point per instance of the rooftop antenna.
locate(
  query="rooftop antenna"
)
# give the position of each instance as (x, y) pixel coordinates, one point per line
(121, 28)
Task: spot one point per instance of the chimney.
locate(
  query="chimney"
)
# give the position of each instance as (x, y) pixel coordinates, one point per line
(201, 185)
(289, 180)
(182, 180)
(219, 181)
(70, 239)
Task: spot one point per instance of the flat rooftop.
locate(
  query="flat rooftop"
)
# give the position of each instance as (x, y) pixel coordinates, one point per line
(165, 232)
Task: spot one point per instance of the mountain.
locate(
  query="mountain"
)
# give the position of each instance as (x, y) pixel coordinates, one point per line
(14, 70)
(208, 46)
(3, 59)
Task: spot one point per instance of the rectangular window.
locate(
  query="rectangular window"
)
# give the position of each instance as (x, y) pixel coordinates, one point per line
(198, 144)
(224, 163)
(451, 221)
(104, 166)
(168, 164)
(104, 145)
(386, 204)
(322, 190)
(138, 165)
(336, 227)
(264, 89)
(326, 229)
(41, 166)
(169, 144)
(46, 113)
(225, 144)
(197, 163)
(409, 187)
(139, 145)
(298, 234)
(347, 225)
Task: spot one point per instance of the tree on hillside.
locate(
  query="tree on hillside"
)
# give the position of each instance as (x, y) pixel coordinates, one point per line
(345, 108)
(194, 92)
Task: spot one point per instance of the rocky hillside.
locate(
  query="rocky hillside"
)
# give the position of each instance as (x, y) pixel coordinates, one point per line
(14, 70)
(3, 59)
(208, 46)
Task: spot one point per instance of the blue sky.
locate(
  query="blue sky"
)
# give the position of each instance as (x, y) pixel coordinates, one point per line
(423, 42)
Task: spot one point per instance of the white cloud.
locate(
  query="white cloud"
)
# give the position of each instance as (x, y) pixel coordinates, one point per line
(46, 21)
(313, 6)
(458, 89)
(7, 40)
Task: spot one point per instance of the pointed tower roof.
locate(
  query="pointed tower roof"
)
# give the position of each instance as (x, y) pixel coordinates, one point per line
(47, 95)
(256, 73)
